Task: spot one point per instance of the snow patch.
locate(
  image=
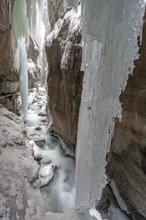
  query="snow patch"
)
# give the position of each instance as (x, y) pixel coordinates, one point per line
(95, 213)
(46, 174)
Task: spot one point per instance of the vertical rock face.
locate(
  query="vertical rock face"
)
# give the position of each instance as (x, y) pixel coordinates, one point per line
(64, 55)
(55, 10)
(5, 41)
(8, 77)
(34, 70)
(127, 158)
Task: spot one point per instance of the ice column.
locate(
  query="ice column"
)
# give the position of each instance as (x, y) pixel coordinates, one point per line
(19, 45)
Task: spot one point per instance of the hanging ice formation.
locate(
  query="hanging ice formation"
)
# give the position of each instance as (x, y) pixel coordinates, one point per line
(19, 44)
(25, 18)
(23, 77)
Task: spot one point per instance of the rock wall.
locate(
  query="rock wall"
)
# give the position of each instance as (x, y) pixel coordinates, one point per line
(57, 9)
(18, 200)
(8, 77)
(126, 161)
(34, 68)
(64, 53)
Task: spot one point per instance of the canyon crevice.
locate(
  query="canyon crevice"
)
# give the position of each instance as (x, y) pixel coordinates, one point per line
(64, 54)
(96, 89)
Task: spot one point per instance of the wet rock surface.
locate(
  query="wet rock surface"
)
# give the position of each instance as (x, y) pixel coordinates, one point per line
(8, 77)
(64, 53)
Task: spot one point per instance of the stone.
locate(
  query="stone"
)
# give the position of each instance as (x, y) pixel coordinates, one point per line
(64, 54)
(8, 76)
(34, 74)
(18, 170)
(33, 50)
(55, 11)
(39, 141)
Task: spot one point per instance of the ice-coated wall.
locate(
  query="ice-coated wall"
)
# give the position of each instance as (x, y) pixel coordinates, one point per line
(110, 31)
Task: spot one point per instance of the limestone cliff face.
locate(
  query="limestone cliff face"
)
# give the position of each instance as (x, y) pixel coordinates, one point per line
(64, 55)
(127, 158)
(18, 200)
(8, 77)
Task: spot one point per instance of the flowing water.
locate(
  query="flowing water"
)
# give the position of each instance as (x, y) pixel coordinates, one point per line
(56, 170)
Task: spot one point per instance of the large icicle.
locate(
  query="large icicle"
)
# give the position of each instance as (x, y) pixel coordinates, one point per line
(23, 77)
(20, 42)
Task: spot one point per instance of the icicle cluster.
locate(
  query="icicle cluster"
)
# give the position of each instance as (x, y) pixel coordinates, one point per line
(27, 19)
(20, 38)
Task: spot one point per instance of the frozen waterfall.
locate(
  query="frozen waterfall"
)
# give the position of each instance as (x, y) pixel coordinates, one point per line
(23, 77)
(20, 33)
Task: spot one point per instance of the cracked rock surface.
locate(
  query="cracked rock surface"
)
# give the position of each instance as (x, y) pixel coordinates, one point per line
(18, 200)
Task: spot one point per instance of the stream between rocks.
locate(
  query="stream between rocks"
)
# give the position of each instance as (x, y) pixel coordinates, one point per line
(56, 172)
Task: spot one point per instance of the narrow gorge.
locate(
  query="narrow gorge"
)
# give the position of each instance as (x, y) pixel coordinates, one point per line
(72, 110)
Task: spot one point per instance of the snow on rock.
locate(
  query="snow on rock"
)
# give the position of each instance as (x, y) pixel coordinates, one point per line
(36, 150)
(96, 214)
(54, 33)
(34, 72)
(46, 174)
(73, 18)
(32, 96)
(64, 54)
